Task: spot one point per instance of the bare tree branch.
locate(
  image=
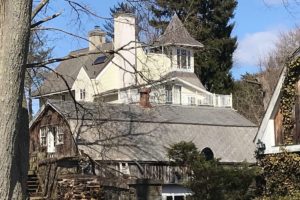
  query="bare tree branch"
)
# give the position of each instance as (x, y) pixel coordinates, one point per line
(45, 20)
(38, 8)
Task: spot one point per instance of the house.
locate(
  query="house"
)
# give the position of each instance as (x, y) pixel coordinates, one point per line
(132, 102)
(133, 140)
(269, 138)
(113, 72)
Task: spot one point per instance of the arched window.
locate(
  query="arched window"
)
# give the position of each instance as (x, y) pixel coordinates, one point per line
(208, 153)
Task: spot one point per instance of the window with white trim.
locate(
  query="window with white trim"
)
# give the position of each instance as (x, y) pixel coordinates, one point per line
(192, 101)
(183, 59)
(124, 168)
(169, 96)
(177, 94)
(43, 136)
(59, 136)
(82, 94)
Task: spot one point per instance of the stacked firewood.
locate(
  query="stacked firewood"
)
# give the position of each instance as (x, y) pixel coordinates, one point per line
(79, 188)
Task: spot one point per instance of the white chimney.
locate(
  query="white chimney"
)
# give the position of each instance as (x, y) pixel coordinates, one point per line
(96, 38)
(124, 45)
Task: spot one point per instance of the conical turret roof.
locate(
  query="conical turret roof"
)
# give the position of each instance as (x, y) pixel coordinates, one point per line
(176, 34)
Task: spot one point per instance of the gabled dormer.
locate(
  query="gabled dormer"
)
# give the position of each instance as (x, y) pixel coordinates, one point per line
(179, 45)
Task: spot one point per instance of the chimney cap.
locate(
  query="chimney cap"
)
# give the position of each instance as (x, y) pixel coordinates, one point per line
(125, 14)
(144, 90)
(97, 32)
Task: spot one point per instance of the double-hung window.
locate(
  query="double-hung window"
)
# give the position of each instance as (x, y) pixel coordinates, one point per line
(169, 96)
(82, 94)
(56, 131)
(177, 94)
(183, 59)
(192, 101)
(43, 136)
(59, 136)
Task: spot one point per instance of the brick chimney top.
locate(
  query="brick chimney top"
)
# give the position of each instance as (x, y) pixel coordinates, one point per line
(145, 97)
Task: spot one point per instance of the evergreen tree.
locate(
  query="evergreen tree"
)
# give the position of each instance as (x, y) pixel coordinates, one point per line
(209, 179)
(208, 21)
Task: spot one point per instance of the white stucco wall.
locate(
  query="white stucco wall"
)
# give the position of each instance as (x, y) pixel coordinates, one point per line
(83, 82)
(125, 46)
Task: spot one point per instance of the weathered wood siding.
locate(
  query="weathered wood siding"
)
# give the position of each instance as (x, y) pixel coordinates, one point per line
(51, 118)
(161, 171)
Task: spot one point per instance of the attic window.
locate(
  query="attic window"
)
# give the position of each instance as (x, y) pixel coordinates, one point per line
(99, 60)
(82, 94)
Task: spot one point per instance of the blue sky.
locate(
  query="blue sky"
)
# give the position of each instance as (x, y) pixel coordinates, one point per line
(257, 25)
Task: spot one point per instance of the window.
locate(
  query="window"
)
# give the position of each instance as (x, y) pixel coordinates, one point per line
(191, 100)
(63, 97)
(53, 130)
(169, 94)
(43, 136)
(59, 136)
(124, 168)
(183, 59)
(189, 59)
(177, 94)
(179, 198)
(82, 94)
(57, 133)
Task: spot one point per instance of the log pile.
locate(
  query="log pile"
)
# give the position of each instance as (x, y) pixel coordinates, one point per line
(79, 188)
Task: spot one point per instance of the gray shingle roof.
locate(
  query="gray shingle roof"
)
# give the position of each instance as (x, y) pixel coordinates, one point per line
(129, 132)
(130, 141)
(176, 34)
(69, 69)
(170, 114)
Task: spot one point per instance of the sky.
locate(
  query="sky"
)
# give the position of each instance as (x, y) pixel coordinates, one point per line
(257, 26)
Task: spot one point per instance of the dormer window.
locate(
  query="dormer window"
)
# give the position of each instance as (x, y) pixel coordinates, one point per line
(183, 59)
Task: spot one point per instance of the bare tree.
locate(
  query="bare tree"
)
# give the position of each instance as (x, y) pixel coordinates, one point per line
(15, 17)
(272, 65)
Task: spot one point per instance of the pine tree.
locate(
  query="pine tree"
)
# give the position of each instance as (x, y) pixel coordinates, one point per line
(208, 21)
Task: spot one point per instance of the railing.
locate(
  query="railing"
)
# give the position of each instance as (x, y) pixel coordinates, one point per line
(213, 100)
(216, 100)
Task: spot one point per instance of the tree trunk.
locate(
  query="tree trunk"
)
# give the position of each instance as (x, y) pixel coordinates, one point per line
(14, 36)
(30, 112)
